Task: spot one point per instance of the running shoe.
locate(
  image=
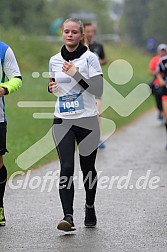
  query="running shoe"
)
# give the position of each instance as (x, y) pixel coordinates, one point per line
(66, 224)
(90, 217)
(101, 145)
(2, 217)
(161, 118)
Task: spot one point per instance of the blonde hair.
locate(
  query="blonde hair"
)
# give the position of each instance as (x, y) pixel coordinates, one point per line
(81, 27)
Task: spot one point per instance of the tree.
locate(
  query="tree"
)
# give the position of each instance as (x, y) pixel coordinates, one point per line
(37, 16)
(134, 18)
(155, 25)
(63, 9)
(27, 15)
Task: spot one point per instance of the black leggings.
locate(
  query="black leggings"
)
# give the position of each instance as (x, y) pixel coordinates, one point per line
(86, 133)
(158, 99)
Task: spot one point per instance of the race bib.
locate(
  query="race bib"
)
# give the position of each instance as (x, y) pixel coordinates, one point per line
(71, 104)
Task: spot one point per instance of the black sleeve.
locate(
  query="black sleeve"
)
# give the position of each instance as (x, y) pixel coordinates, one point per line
(94, 85)
(102, 54)
(20, 77)
(160, 68)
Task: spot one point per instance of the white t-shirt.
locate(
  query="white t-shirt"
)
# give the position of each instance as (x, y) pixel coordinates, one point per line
(68, 105)
(10, 66)
(11, 69)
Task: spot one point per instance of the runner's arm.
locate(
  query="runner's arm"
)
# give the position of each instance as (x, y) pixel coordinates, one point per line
(11, 70)
(12, 85)
(160, 74)
(94, 85)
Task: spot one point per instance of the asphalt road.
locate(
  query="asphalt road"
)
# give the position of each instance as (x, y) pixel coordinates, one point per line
(131, 201)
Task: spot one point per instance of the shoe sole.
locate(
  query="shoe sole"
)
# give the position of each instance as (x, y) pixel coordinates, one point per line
(2, 223)
(65, 226)
(90, 225)
(93, 226)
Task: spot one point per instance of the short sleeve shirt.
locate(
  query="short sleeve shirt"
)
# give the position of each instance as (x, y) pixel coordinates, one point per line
(98, 49)
(10, 68)
(153, 66)
(162, 68)
(88, 65)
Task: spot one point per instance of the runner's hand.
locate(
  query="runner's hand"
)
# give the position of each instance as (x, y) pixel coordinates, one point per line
(69, 68)
(2, 92)
(162, 82)
(53, 86)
